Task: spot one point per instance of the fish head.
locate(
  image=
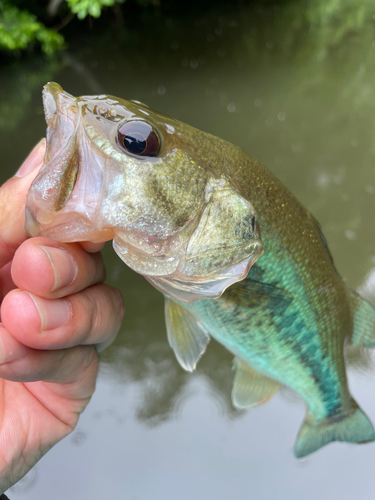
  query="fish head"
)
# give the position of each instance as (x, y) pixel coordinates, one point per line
(115, 169)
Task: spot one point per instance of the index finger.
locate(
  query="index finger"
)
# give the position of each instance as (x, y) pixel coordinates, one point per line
(12, 204)
(52, 269)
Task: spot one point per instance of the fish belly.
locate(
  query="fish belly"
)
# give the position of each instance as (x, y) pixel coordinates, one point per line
(268, 321)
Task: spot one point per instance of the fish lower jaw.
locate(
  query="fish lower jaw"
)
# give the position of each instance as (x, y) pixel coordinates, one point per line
(191, 288)
(169, 274)
(145, 264)
(70, 227)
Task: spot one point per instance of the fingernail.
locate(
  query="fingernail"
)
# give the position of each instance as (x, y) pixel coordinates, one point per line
(64, 267)
(53, 313)
(34, 159)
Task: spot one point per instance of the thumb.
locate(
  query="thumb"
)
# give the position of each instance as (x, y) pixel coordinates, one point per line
(33, 161)
(12, 204)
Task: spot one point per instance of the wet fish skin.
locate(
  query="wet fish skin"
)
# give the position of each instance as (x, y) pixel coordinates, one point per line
(156, 208)
(190, 221)
(292, 316)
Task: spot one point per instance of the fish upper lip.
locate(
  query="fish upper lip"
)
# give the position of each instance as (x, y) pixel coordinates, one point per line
(56, 99)
(54, 89)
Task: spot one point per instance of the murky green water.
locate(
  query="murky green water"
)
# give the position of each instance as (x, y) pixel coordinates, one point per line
(295, 88)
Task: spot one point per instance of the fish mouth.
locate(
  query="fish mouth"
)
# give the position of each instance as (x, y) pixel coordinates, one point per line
(57, 206)
(56, 100)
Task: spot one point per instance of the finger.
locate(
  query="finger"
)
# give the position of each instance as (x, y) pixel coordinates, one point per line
(68, 397)
(92, 316)
(68, 390)
(6, 282)
(75, 368)
(51, 269)
(33, 160)
(12, 206)
(62, 381)
(91, 247)
(63, 366)
(10, 348)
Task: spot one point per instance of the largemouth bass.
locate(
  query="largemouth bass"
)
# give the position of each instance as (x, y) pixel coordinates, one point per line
(236, 255)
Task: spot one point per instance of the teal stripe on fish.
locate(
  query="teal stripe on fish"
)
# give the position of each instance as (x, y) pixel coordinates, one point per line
(194, 214)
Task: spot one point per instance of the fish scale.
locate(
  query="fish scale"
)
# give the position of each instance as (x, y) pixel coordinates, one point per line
(236, 255)
(276, 332)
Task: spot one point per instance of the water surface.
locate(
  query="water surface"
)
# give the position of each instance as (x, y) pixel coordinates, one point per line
(294, 87)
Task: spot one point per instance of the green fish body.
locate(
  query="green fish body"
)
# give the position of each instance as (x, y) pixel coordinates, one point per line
(193, 215)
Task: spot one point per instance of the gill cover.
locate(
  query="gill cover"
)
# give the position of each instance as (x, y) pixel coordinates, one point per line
(115, 169)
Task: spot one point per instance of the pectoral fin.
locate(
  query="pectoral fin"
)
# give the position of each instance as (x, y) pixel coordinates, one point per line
(251, 388)
(187, 337)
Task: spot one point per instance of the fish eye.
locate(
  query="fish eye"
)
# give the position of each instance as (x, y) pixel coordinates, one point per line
(139, 138)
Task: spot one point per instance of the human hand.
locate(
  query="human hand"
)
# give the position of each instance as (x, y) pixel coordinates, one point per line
(56, 313)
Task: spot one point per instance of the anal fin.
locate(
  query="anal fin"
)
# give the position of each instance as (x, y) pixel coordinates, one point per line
(187, 337)
(251, 388)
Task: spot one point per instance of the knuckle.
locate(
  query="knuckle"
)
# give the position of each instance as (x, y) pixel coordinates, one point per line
(99, 311)
(117, 311)
(119, 305)
(101, 273)
(89, 356)
(90, 310)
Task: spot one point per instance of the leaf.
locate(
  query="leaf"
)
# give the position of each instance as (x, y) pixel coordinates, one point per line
(19, 29)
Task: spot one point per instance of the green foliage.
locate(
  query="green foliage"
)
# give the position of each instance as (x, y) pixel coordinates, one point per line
(18, 85)
(19, 29)
(90, 7)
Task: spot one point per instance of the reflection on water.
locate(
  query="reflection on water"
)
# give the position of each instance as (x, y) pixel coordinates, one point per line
(78, 437)
(142, 355)
(16, 92)
(294, 87)
(26, 483)
(199, 454)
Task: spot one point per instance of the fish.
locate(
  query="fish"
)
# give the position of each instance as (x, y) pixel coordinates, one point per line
(236, 255)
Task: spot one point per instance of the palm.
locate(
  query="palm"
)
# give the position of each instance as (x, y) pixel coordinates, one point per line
(39, 425)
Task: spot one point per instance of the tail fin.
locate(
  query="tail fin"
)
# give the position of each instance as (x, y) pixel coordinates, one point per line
(364, 321)
(353, 428)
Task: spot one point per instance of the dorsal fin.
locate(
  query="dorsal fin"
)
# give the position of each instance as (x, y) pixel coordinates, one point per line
(251, 388)
(187, 337)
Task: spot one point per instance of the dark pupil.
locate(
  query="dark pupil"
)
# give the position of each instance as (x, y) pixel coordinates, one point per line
(135, 143)
(139, 138)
